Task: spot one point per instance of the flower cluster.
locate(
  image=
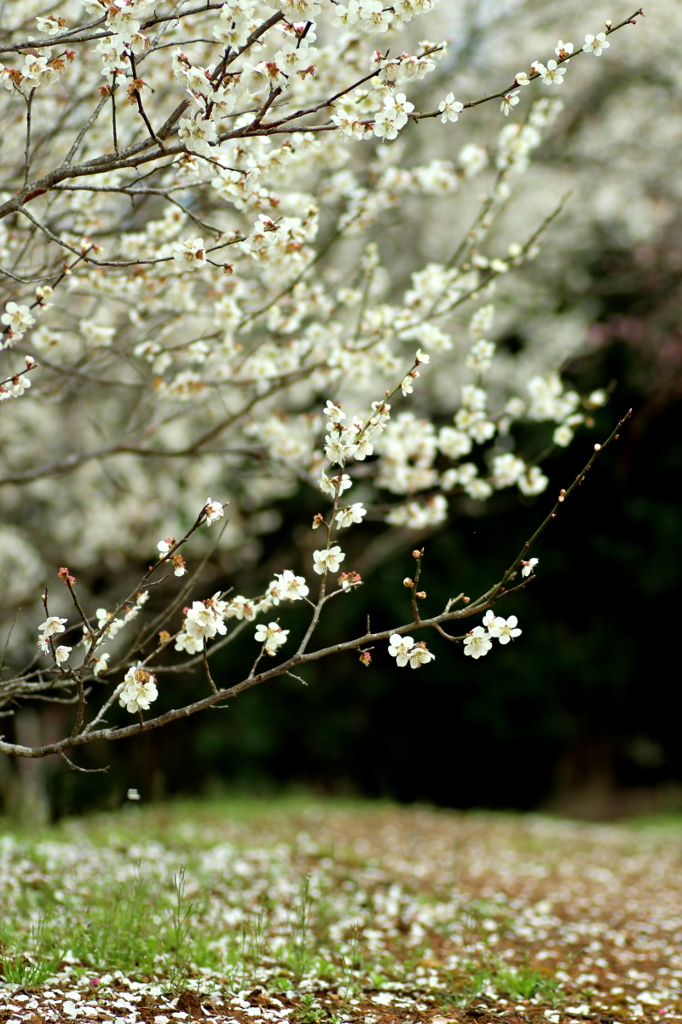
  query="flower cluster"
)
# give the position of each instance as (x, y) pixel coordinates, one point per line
(479, 641)
(138, 690)
(405, 650)
(52, 627)
(271, 636)
(203, 621)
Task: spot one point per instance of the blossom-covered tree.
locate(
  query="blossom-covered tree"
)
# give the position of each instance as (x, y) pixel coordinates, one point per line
(197, 298)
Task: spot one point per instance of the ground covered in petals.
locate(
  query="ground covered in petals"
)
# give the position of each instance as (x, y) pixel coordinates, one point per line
(311, 913)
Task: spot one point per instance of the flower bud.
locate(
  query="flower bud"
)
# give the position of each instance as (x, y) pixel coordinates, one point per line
(366, 659)
(421, 594)
(407, 582)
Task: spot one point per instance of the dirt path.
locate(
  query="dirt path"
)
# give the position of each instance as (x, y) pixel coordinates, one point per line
(367, 914)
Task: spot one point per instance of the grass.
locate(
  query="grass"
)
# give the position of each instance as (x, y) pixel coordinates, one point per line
(335, 910)
(525, 983)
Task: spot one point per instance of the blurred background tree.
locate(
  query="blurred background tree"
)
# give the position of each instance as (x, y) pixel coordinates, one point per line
(582, 715)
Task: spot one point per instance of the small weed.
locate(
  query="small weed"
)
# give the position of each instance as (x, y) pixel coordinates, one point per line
(347, 987)
(177, 965)
(524, 983)
(252, 944)
(26, 970)
(468, 988)
(280, 983)
(299, 955)
(309, 1010)
(121, 930)
(34, 964)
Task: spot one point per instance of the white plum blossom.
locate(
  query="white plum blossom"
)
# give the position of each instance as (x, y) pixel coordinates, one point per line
(190, 254)
(189, 643)
(62, 653)
(482, 321)
(113, 55)
(52, 626)
(450, 108)
(562, 436)
(197, 134)
(404, 650)
(334, 413)
(481, 429)
(97, 334)
(240, 608)
(552, 74)
(272, 635)
(351, 514)
(107, 622)
(202, 621)
(420, 515)
(364, 15)
(351, 127)
(300, 10)
(214, 510)
(477, 643)
(101, 663)
(50, 25)
(507, 470)
(488, 618)
(472, 159)
(529, 566)
(399, 647)
(420, 655)
(139, 690)
(596, 44)
(253, 78)
(291, 587)
(19, 385)
(454, 443)
(480, 356)
(563, 49)
(533, 481)
(393, 117)
(328, 485)
(504, 630)
(295, 56)
(596, 399)
(398, 107)
(340, 446)
(121, 18)
(17, 318)
(509, 101)
(479, 490)
(364, 446)
(328, 560)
